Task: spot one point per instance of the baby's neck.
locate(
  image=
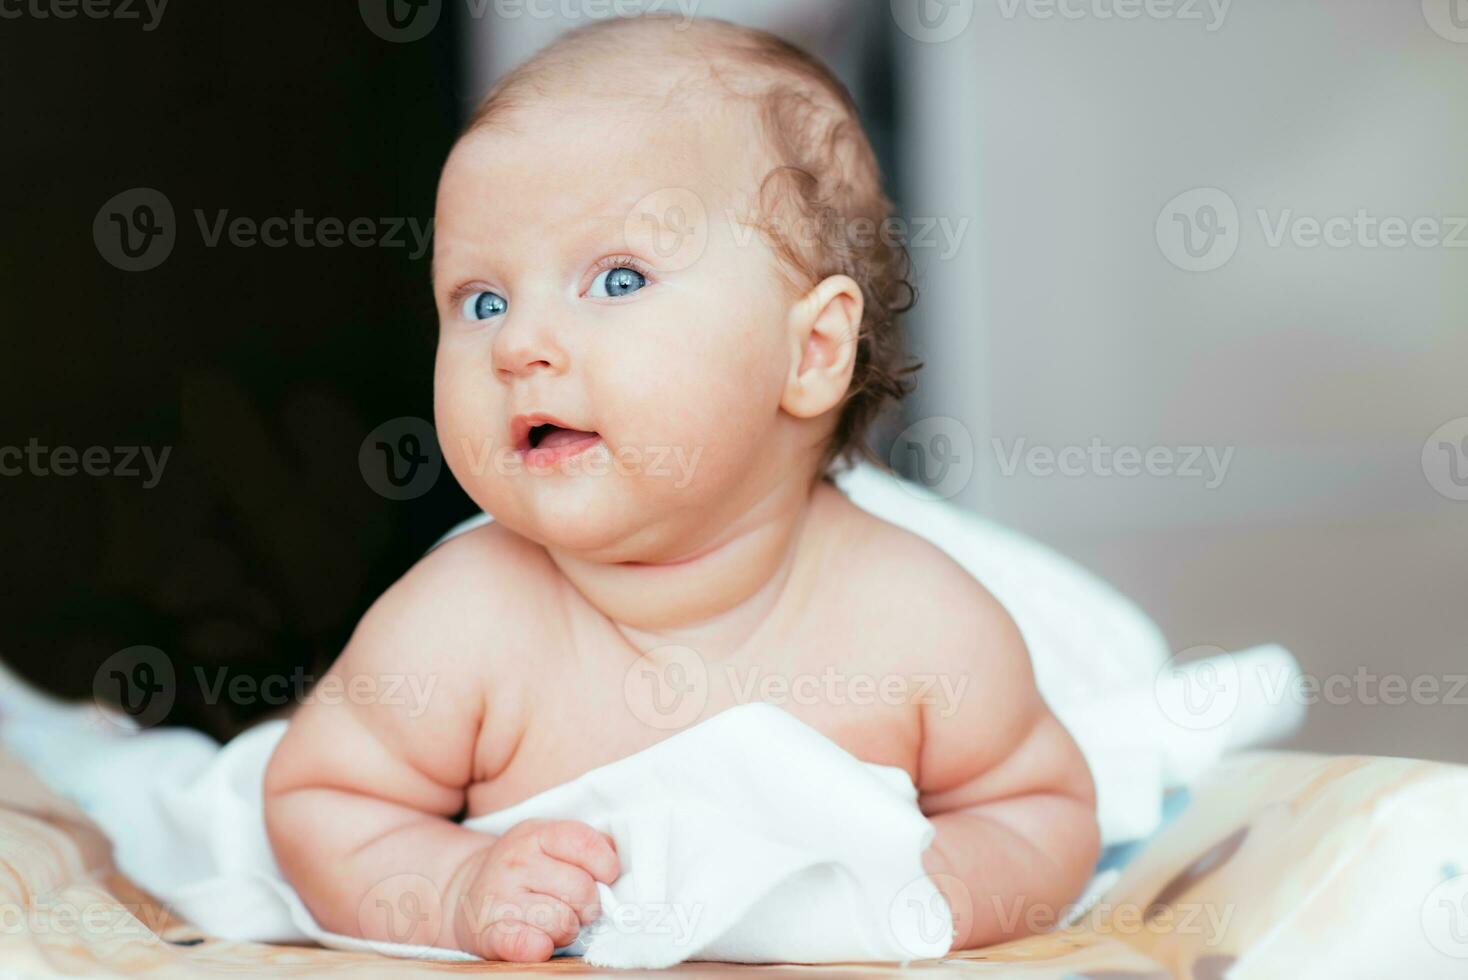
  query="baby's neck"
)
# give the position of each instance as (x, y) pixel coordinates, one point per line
(715, 599)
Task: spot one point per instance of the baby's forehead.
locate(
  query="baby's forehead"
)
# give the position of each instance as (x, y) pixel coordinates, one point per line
(580, 155)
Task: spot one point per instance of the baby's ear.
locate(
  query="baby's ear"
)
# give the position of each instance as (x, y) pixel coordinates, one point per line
(823, 325)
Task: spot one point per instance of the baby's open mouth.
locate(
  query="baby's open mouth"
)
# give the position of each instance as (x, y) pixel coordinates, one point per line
(543, 441)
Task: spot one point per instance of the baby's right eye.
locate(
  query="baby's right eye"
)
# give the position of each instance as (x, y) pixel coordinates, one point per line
(483, 305)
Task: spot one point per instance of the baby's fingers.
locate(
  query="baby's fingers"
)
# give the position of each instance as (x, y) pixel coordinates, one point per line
(576, 843)
(514, 941)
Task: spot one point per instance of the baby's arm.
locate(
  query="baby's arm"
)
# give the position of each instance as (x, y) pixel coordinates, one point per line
(1004, 785)
(361, 792)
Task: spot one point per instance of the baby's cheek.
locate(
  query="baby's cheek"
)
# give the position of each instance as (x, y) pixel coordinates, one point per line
(714, 412)
(463, 413)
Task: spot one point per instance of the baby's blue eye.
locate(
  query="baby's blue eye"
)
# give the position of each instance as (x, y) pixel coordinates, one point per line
(617, 282)
(482, 306)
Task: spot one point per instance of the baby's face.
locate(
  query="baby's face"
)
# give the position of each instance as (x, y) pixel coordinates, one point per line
(613, 345)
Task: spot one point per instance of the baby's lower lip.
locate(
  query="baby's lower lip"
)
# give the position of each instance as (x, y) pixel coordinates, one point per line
(562, 448)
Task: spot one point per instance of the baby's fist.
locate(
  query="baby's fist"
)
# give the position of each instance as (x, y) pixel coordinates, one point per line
(533, 889)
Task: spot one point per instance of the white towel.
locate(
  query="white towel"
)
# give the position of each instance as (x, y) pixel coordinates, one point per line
(749, 837)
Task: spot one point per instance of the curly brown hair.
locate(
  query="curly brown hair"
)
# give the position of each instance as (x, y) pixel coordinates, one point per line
(820, 207)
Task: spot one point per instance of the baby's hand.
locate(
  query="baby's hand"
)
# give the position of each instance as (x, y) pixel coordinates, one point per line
(532, 890)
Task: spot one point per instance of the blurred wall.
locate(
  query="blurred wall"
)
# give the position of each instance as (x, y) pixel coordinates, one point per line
(1076, 316)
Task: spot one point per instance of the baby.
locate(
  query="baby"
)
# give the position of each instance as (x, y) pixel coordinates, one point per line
(667, 310)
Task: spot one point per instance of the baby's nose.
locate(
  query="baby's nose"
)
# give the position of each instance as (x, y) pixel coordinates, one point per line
(523, 347)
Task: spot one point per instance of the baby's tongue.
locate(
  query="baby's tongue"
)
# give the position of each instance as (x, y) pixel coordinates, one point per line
(556, 438)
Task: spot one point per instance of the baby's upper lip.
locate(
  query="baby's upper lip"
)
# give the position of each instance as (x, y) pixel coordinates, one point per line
(521, 425)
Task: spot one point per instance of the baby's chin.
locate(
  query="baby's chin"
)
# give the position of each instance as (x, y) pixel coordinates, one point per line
(590, 516)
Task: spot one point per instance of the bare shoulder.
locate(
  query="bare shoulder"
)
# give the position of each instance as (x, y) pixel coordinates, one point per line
(487, 579)
(437, 658)
(948, 620)
(986, 731)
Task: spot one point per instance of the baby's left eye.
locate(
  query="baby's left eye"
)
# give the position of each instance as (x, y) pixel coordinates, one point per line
(619, 281)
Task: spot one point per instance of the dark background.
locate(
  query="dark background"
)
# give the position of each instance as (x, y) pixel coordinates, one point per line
(263, 368)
